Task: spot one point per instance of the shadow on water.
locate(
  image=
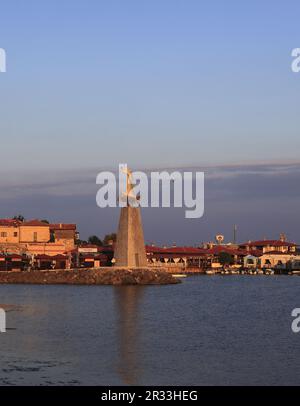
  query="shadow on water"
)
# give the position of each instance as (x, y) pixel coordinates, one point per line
(128, 300)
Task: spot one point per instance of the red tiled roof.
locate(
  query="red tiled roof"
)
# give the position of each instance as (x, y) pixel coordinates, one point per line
(34, 223)
(9, 222)
(165, 255)
(62, 226)
(218, 249)
(192, 251)
(174, 250)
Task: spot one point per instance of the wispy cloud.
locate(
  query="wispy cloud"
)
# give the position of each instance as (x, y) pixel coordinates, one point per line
(83, 182)
(262, 199)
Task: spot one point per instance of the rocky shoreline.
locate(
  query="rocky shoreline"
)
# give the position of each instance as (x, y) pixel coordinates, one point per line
(101, 276)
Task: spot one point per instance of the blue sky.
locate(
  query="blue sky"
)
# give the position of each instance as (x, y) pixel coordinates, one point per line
(163, 83)
(95, 83)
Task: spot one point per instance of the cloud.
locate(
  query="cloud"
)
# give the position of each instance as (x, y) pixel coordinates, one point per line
(262, 199)
(83, 182)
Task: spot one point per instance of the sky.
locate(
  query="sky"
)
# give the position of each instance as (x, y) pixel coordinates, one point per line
(169, 83)
(263, 200)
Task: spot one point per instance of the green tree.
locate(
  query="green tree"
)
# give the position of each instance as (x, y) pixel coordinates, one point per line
(110, 237)
(93, 239)
(19, 217)
(225, 258)
(80, 242)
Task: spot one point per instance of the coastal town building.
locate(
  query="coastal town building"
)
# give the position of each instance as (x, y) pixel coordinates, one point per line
(265, 246)
(193, 258)
(65, 234)
(36, 244)
(294, 265)
(13, 262)
(92, 256)
(36, 237)
(276, 254)
(275, 259)
(251, 261)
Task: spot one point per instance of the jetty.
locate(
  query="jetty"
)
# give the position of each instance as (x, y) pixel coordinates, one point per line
(100, 276)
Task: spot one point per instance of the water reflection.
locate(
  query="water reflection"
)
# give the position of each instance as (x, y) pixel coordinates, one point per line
(128, 300)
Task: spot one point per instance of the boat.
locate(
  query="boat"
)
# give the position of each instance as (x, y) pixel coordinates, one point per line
(179, 275)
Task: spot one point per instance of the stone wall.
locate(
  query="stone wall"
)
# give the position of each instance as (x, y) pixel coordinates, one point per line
(101, 276)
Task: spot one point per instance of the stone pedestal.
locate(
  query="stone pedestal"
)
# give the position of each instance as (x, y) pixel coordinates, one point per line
(130, 245)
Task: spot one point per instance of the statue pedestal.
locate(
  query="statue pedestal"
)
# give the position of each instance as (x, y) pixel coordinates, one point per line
(130, 245)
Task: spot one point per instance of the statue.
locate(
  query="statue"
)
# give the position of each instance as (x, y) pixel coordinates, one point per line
(130, 246)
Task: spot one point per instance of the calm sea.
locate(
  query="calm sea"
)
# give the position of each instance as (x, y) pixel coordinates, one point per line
(227, 330)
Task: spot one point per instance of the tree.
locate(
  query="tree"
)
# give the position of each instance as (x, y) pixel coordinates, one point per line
(110, 237)
(225, 258)
(93, 239)
(80, 242)
(52, 236)
(45, 221)
(19, 217)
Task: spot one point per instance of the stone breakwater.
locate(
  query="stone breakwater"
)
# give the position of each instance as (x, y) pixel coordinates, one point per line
(101, 276)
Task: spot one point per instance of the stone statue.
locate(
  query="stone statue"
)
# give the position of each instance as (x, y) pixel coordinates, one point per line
(130, 246)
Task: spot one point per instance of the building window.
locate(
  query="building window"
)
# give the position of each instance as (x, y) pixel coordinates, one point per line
(15, 234)
(35, 237)
(3, 234)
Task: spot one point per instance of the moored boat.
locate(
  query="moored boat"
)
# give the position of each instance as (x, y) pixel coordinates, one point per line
(179, 275)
